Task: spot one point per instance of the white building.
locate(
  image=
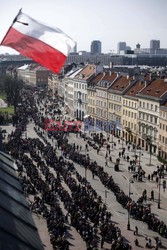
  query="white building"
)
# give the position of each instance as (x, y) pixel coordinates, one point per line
(150, 99)
(68, 84)
(80, 89)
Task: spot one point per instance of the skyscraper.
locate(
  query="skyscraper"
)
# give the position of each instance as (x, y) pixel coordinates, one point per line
(74, 49)
(121, 46)
(95, 47)
(155, 44)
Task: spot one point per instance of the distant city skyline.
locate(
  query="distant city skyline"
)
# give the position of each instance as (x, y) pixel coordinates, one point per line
(109, 21)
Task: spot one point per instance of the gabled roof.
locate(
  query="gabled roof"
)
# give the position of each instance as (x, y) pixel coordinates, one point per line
(135, 88)
(156, 88)
(121, 83)
(107, 79)
(96, 79)
(73, 73)
(86, 72)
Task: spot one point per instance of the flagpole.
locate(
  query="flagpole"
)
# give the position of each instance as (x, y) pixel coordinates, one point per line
(15, 19)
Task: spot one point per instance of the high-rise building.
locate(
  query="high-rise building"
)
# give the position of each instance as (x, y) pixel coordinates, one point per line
(155, 44)
(95, 47)
(121, 46)
(74, 49)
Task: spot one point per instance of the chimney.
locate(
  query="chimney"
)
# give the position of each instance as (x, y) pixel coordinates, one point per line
(150, 76)
(111, 65)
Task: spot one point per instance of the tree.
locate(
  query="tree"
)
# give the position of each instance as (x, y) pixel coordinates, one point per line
(12, 88)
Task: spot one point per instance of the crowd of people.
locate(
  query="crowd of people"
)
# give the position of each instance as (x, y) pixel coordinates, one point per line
(85, 209)
(36, 158)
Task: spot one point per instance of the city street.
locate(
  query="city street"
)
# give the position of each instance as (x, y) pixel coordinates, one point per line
(119, 214)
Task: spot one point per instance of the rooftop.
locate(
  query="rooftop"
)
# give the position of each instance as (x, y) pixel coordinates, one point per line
(136, 88)
(86, 72)
(156, 88)
(121, 83)
(107, 79)
(17, 228)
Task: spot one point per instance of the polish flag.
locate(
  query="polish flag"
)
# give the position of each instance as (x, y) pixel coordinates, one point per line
(44, 44)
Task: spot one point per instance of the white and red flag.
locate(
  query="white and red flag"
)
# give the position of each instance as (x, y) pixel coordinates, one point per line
(44, 44)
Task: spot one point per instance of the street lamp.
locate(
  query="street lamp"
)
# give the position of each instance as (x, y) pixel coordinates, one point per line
(130, 181)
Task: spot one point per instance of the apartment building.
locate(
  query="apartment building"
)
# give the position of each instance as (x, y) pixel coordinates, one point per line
(80, 89)
(150, 99)
(91, 91)
(69, 91)
(115, 95)
(163, 131)
(34, 75)
(130, 128)
(102, 100)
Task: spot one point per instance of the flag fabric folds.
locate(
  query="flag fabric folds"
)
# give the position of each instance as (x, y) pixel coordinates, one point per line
(49, 46)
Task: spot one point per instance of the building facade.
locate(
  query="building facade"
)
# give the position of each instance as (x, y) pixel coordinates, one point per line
(80, 89)
(150, 99)
(130, 128)
(116, 91)
(163, 132)
(34, 75)
(95, 47)
(91, 90)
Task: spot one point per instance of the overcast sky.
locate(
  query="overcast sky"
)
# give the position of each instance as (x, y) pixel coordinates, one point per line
(109, 21)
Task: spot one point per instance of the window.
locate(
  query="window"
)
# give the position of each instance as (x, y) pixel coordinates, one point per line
(160, 137)
(144, 105)
(151, 119)
(156, 107)
(147, 105)
(156, 121)
(160, 125)
(151, 106)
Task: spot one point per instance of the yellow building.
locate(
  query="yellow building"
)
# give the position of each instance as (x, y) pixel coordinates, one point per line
(115, 95)
(163, 132)
(130, 129)
(91, 90)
